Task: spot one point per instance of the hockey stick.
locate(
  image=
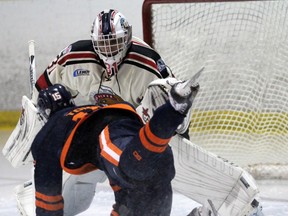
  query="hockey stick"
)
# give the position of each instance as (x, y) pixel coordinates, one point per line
(194, 78)
(32, 68)
(17, 147)
(213, 207)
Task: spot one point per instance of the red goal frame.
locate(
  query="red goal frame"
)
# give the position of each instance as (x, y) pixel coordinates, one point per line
(146, 13)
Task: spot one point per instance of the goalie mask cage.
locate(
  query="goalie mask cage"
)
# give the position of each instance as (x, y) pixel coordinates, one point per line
(241, 111)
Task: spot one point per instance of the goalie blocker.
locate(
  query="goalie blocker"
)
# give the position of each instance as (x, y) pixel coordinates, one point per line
(17, 147)
(50, 100)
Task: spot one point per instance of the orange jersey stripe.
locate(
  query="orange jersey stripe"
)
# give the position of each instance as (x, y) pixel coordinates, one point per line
(149, 145)
(153, 137)
(79, 115)
(50, 203)
(108, 150)
(114, 213)
(49, 207)
(115, 188)
(47, 198)
(88, 167)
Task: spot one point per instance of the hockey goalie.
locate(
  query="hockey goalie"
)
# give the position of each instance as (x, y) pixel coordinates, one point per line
(221, 187)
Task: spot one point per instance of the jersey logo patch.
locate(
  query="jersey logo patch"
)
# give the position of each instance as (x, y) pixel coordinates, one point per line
(106, 96)
(81, 72)
(66, 50)
(161, 65)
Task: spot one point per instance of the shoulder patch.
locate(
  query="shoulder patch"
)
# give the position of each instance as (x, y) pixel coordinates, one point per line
(66, 50)
(81, 72)
(147, 59)
(161, 65)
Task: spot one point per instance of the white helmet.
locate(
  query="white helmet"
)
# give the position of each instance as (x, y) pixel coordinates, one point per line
(111, 37)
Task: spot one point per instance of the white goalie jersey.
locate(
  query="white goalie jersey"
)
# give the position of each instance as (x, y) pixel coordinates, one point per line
(82, 72)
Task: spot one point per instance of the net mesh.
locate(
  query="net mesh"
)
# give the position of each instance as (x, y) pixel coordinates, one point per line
(241, 111)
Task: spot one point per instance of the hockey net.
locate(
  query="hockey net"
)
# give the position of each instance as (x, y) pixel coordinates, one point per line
(241, 112)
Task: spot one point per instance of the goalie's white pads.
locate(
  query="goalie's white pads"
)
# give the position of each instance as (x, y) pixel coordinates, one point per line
(25, 197)
(78, 193)
(203, 176)
(79, 190)
(17, 147)
(156, 95)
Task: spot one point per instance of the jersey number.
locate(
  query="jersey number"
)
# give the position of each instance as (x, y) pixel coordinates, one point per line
(111, 69)
(56, 96)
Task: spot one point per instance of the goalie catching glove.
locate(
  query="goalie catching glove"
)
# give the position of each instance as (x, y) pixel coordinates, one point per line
(181, 98)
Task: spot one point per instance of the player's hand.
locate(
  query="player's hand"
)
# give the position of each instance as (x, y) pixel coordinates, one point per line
(182, 95)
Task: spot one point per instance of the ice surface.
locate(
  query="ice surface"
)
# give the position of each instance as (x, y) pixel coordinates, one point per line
(273, 193)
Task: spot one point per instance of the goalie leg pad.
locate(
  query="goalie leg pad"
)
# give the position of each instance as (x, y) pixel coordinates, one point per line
(17, 147)
(242, 200)
(79, 190)
(78, 193)
(204, 176)
(25, 197)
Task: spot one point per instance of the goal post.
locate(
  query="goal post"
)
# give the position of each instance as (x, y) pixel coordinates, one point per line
(147, 13)
(241, 111)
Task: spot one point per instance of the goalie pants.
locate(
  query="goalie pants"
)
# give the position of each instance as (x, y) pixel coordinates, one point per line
(136, 158)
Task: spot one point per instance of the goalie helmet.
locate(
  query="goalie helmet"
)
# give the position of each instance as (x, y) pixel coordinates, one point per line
(54, 98)
(111, 36)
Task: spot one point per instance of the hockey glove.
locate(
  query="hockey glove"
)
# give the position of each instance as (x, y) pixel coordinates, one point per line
(54, 98)
(182, 95)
